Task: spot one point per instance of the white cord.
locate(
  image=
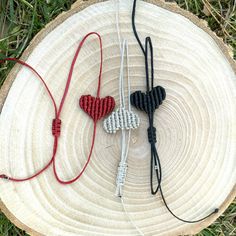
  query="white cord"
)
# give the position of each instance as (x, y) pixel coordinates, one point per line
(122, 115)
(130, 219)
(117, 3)
(125, 141)
(121, 118)
(120, 180)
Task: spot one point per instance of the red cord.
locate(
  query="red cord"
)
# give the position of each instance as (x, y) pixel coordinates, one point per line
(55, 108)
(39, 76)
(96, 107)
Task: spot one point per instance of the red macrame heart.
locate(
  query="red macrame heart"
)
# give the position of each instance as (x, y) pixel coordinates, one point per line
(96, 107)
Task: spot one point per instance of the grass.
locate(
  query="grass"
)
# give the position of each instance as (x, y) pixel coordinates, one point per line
(20, 20)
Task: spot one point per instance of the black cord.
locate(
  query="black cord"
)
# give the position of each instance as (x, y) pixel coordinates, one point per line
(149, 102)
(134, 27)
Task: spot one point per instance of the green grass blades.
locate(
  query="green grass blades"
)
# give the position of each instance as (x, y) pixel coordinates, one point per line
(220, 15)
(20, 21)
(8, 229)
(224, 225)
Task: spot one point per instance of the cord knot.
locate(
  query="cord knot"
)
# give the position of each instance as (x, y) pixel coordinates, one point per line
(120, 179)
(56, 127)
(152, 137)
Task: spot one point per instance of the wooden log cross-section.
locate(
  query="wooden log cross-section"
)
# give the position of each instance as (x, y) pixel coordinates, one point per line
(196, 126)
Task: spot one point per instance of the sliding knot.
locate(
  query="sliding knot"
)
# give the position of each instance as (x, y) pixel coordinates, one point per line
(121, 173)
(120, 179)
(149, 101)
(152, 138)
(121, 119)
(97, 107)
(56, 127)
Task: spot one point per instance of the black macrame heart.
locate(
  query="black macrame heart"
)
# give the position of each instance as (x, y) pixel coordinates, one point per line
(149, 101)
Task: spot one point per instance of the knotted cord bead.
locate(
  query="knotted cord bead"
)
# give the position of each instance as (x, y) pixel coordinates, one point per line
(152, 138)
(121, 175)
(56, 127)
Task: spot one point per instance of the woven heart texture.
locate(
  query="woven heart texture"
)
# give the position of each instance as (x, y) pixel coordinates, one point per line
(96, 107)
(121, 119)
(149, 101)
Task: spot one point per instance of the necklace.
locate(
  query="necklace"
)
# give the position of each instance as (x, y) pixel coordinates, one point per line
(149, 102)
(95, 107)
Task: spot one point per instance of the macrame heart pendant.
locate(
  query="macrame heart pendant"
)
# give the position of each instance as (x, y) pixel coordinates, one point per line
(121, 119)
(150, 101)
(97, 107)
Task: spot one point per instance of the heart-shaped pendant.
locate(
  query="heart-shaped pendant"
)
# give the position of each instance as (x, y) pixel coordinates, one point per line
(121, 119)
(149, 101)
(97, 107)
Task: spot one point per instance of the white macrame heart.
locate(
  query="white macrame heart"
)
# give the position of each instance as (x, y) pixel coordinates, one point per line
(121, 119)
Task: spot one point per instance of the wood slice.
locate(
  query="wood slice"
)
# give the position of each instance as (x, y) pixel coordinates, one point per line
(196, 126)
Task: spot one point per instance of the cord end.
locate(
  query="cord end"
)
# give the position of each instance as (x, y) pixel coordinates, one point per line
(118, 192)
(216, 210)
(4, 177)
